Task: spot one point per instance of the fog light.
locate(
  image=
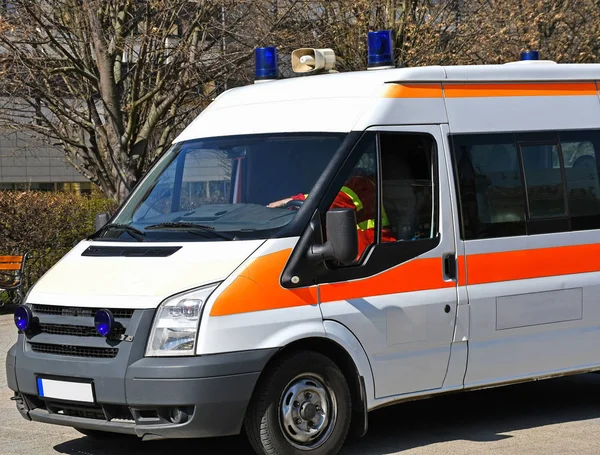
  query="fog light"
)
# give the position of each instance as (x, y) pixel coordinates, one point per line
(23, 318)
(178, 415)
(104, 322)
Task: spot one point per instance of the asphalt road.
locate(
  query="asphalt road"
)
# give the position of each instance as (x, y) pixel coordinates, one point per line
(559, 416)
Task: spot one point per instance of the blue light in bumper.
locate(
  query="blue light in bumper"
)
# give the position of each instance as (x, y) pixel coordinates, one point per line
(530, 55)
(265, 63)
(23, 318)
(380, 48)
(104, 322)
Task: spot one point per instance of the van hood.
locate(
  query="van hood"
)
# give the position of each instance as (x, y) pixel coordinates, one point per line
(133, 276)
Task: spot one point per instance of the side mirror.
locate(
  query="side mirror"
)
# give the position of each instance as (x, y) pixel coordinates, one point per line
(342, 238)
(101, 220)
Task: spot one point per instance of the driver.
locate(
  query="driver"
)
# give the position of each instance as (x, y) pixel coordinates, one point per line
(358, 193)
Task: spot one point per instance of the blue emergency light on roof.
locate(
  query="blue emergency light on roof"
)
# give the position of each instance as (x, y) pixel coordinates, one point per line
(530, 55)
(380, 49)
(265, 63)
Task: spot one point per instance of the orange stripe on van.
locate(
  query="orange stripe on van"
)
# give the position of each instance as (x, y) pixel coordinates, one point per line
(537, 263)
(257, 288)
(412, 91)
(462, 272)
(459, 90)
(415, 275)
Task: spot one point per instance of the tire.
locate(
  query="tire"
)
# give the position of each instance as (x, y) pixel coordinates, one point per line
(301, 406)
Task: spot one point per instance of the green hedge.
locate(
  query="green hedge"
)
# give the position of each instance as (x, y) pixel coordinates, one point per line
(47, 225)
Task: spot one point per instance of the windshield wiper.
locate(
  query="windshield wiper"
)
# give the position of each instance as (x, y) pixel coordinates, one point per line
(192, 228)
(133, 232)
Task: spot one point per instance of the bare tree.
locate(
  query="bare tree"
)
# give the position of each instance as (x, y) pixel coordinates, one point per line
(112, 81)
(566, 31)
(426, 31)
(434, 32)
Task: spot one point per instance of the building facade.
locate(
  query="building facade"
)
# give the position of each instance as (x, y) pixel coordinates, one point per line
(29, 164)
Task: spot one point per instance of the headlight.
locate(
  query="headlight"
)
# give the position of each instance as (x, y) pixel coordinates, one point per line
(175, 327)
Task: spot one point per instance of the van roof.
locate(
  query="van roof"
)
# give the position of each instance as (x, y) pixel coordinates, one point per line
(335, 101)
(367, 83)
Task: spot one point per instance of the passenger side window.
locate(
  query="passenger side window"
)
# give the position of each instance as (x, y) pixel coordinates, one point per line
(408, 174)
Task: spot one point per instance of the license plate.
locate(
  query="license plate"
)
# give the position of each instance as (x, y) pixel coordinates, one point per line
(65, 390)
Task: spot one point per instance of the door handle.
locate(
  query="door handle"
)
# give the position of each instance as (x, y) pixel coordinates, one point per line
(449, 267)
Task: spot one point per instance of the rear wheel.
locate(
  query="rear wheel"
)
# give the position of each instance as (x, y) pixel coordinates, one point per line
(302, 406)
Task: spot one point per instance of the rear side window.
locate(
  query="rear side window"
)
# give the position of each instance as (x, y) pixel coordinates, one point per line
(581, 153)
(492, 197)
(543, 180)
(519, 184)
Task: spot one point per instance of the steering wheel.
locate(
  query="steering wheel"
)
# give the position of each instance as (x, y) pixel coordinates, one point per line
(293, 205)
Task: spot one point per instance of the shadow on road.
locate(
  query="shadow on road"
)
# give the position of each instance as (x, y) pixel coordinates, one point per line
(480, 416)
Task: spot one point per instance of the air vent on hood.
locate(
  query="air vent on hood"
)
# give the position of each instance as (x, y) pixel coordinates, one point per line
(131, 251)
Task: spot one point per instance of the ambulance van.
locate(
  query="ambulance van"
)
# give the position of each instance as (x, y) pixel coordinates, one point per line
(314, 248)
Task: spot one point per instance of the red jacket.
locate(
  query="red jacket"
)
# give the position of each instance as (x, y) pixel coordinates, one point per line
(359, 194)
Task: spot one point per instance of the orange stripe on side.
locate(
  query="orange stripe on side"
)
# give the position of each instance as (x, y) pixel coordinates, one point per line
(257, 288)
(538, 263)
(462, 270)
(519, 89)
(415, 275)
(10, 266)
(412, 91)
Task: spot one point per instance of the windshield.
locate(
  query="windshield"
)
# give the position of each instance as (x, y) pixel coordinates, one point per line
(219, 188)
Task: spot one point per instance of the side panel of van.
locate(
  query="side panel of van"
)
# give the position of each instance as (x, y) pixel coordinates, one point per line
(529, 191)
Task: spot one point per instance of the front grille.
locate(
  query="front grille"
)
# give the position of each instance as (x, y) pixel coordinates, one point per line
(75, 330)
(118, 313)
(75, 351)
(59, 326)
(99, 412)
(85, 412)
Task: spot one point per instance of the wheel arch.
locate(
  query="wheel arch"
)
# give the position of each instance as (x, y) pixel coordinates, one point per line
(332, 348)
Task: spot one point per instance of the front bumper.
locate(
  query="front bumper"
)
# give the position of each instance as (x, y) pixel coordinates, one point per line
(179, 397)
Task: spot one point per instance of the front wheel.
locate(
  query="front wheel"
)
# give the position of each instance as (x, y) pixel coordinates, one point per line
(302, 406)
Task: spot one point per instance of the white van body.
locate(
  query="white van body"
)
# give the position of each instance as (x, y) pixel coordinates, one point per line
(507, 292)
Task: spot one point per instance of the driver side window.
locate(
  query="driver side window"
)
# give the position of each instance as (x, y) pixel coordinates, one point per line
(408, 173)
(403, 175)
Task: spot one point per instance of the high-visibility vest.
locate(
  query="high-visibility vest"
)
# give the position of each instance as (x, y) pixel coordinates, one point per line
(369, 223)
(365, 224)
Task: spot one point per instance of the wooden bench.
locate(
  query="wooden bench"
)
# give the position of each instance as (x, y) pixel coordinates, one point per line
(12, 274)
